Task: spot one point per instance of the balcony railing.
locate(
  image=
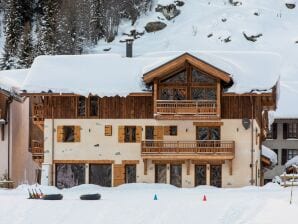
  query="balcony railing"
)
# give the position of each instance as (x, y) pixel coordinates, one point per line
(202, 149)
(37, 149)
(186, 107)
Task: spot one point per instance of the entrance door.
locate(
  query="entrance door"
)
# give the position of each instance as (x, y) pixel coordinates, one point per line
(200, 175)
(176, 175)
(100, 174)
(69, 175)
(161, 173)
(215, 175)
(130, 174)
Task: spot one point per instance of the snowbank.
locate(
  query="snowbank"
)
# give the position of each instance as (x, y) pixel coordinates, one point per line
(270, 154)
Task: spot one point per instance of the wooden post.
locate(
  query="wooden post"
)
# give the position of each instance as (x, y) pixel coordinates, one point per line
(218, 111)
(187, 167)
(145, 166)
(230, 167)
(155, 93)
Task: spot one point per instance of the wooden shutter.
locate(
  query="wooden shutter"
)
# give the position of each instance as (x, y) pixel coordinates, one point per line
(118, 174)
(108, 130)
(121, 134)
(60, 134)
(166, 130)
(158, 132)
(285, 130)
(138, 134)
(274, 131)
(284, 156)
(77, 134)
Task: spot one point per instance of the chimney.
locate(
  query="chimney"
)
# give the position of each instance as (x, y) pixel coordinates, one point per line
(129, 43)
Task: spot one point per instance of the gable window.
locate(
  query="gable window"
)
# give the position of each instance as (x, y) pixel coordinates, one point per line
(81, 106)
(180, 77)
(93, 107)
(199, 77)
(68, 133)
(208, 133)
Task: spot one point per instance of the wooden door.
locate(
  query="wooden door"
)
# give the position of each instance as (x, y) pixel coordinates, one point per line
(161, 173)
(200, 175)
(118, 174)
(176, 175)
(215, 175)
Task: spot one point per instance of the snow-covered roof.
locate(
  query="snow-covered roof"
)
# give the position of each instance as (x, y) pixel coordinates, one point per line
(269, 154)
(292, 162)
(12, 80)
(112, 74)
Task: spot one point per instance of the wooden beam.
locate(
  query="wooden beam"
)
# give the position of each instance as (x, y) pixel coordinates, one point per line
(204, 162)
(167, 161)
(85, 161)
(187, 167)
(130, 162)
(141, 94)
(145, 166)
(207, 124)
(218, 103)
(230, 162)
(155, 94)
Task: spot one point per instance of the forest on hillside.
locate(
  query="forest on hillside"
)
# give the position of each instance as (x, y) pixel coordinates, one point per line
(52, 27)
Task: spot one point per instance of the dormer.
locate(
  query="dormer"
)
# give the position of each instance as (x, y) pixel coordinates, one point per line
(187, 88)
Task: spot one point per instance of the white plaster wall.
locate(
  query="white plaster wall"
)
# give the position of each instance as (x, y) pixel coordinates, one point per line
(3, 152)
(92, 133)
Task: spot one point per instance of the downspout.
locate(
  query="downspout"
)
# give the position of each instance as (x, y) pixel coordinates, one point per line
(252, 143)
(8, 103)
(53, 142)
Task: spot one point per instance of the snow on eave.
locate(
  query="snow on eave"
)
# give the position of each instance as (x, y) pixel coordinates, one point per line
(292, 162)
(269, 154)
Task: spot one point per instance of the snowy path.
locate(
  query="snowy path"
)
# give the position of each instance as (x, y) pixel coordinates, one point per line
(134, 204)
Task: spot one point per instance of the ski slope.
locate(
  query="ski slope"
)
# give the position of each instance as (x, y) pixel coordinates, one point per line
(133, 203)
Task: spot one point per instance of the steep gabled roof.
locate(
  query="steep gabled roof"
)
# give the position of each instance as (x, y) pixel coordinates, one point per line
(179, 62)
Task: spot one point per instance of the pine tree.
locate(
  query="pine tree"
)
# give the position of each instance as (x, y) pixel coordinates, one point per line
(47, 35)
(13, 24)
(25, 49)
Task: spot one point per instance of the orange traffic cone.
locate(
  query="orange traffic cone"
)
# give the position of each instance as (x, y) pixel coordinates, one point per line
(204, 198)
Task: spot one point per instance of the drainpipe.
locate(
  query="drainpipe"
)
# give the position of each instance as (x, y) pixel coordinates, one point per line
(8, 103)
(252, 142)
(53, 142)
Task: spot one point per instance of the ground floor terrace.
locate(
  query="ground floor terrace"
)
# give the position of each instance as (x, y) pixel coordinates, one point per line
(134, 203)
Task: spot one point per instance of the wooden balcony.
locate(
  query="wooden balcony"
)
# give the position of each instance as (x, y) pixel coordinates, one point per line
(198, 108)
(199, 150)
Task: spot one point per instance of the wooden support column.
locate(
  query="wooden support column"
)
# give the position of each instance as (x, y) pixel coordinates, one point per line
(218, 111)
(187, 167)
(155, 94)
(230, 162)
(145, 166)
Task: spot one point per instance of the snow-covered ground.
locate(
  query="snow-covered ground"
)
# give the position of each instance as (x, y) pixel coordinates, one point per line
(133, 203)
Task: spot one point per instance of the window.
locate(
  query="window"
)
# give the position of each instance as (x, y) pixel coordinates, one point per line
(288, 154)
(181, 77)
(149, 132)
(129, 134)
(276, 151)
(289, 130)
(130, 173)
(100, 174)
(93, 107)
(200, 93)
(199, 77)
(173, 93)
(170, 130)
(272, 134)
(292, 130)
(208, 133)
(68, 133)
(81, 106)
(69, 175)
